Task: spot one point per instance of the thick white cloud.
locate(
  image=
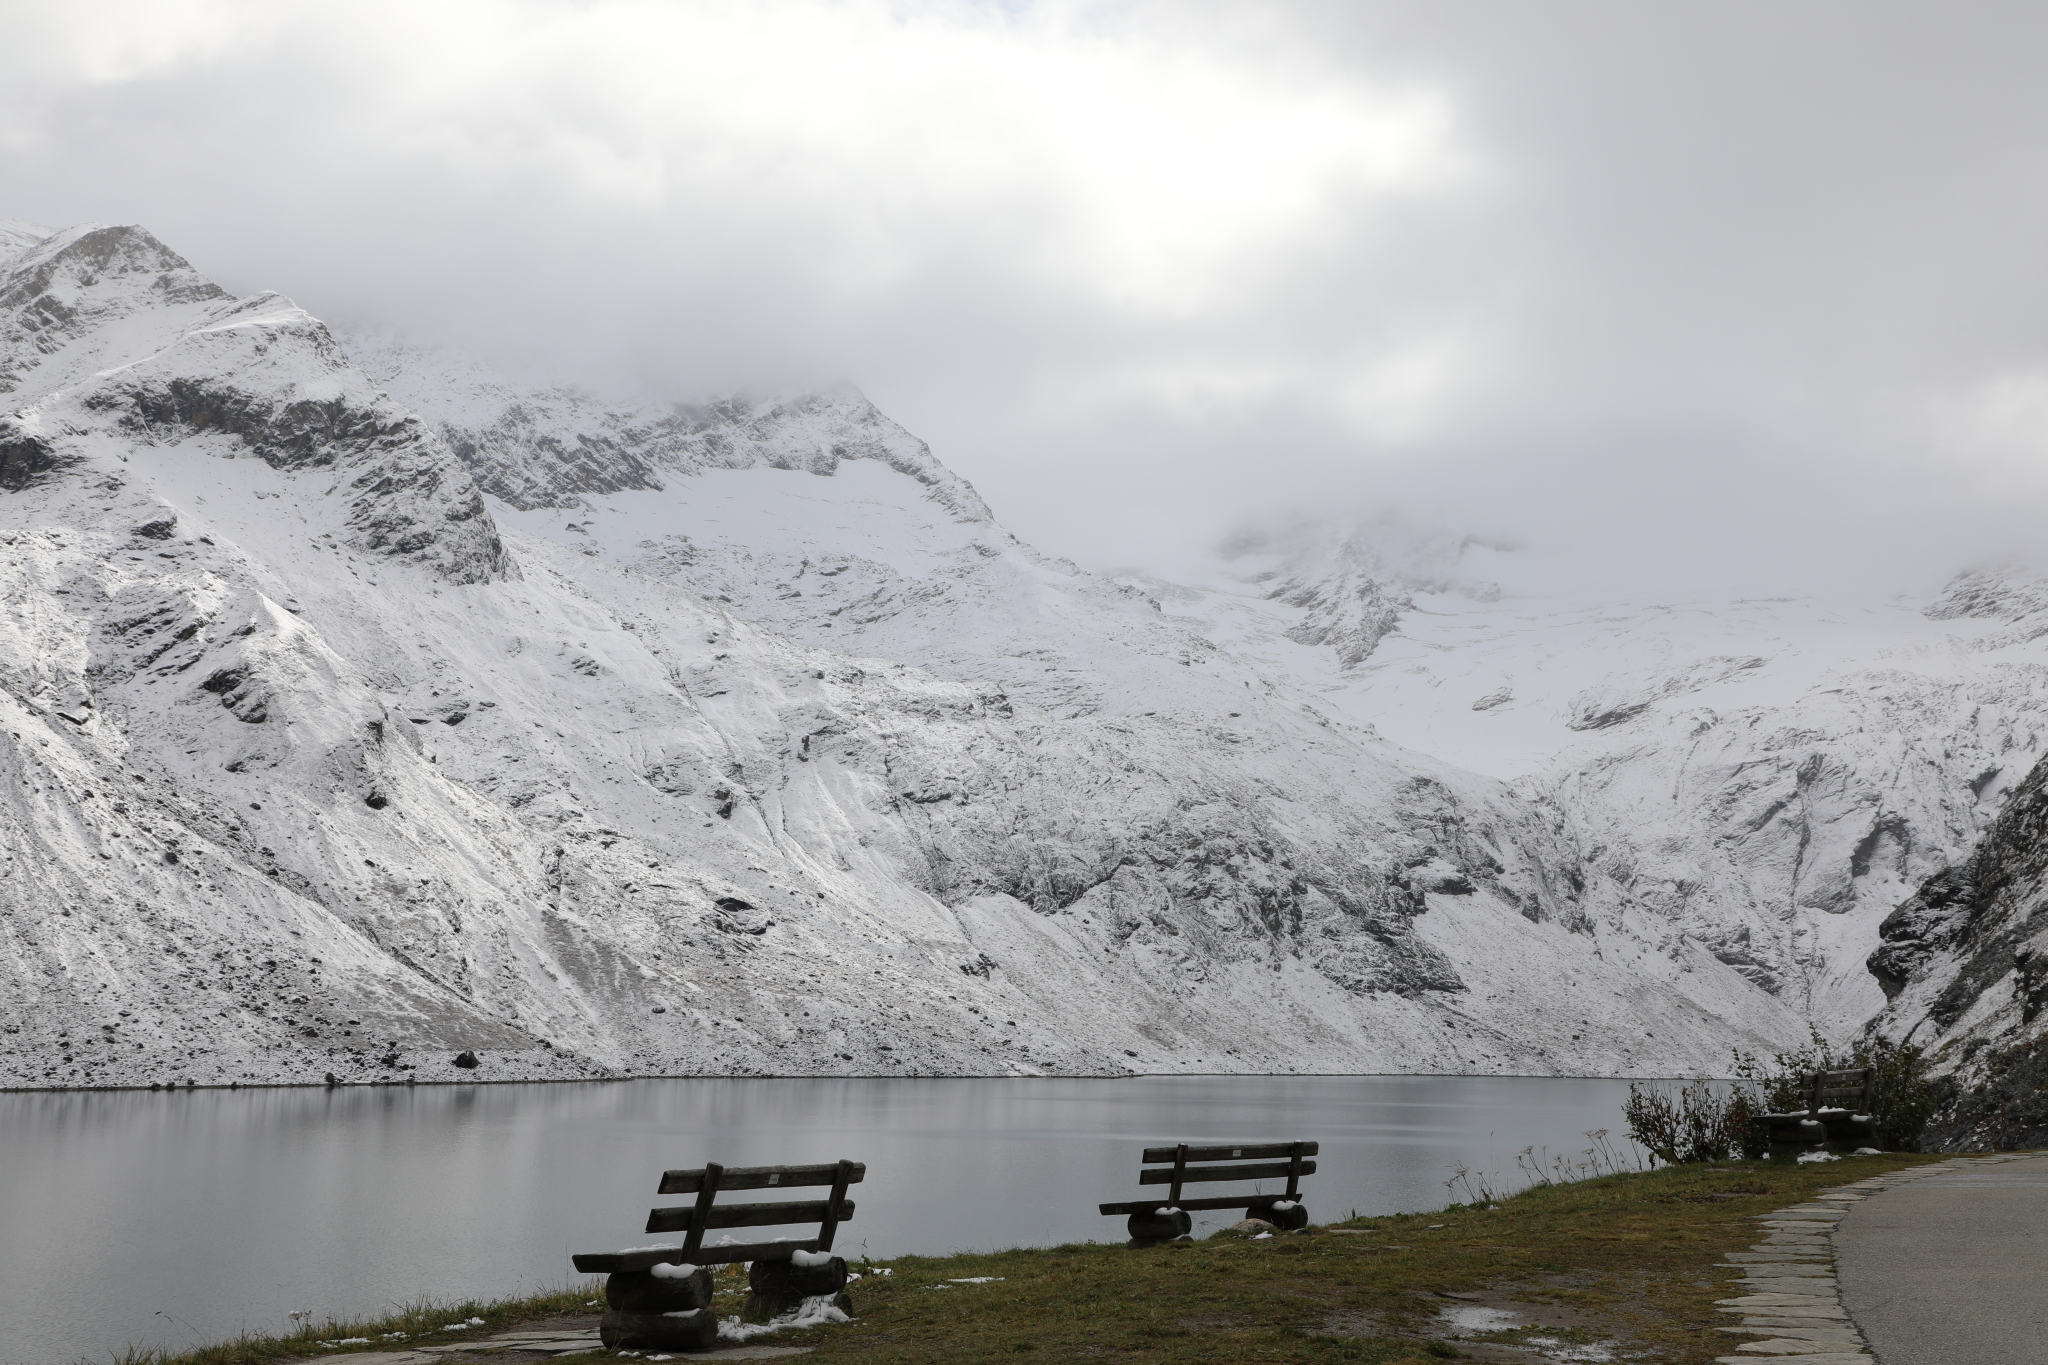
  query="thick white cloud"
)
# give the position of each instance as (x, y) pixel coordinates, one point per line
(1750, 289)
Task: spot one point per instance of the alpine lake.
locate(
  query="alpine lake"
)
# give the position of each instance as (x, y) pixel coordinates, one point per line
(176, 1219)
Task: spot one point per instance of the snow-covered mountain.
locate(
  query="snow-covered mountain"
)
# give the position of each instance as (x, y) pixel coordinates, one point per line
(363, 710)
(1768, 775)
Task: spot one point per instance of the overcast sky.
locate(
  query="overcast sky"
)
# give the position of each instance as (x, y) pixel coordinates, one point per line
(1697, 293)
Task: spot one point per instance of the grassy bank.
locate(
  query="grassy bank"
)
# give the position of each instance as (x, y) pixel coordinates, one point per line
(423, 1323)
(1627, 1259)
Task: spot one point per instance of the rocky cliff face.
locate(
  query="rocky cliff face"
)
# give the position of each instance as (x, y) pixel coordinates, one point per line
(738, 739)
(1964, 967)
(1964, 961)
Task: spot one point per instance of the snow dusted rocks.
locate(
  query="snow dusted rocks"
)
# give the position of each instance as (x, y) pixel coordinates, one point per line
(1767, 778)
(111, 345)
(352, 735)
(1964, 963)
(550, 448)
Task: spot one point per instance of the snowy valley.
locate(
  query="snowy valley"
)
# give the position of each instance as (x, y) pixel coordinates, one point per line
(1770, 775)
(371, 716)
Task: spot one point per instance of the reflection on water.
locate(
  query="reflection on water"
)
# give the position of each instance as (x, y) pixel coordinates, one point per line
(159, 1219)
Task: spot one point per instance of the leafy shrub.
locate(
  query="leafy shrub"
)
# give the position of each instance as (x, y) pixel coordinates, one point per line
(1702, 1121)
(1903, 1100)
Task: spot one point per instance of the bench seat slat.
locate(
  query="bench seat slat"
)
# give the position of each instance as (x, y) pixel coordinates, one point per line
(681, 1218)
(754, 1251)
(761, 1177)
(1205, 1175)
(1244, 1151)
(613, 1262)
(1241, 1201)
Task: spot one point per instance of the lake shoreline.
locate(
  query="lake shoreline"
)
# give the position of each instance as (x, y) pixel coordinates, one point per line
(1622, 1261)
(340, 1084)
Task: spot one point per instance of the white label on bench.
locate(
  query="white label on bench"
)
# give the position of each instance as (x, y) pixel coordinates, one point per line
(775, 1179)
(1237, 1151)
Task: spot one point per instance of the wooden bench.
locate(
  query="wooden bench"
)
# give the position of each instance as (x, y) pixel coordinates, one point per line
(659, 1297)
(1837, 1113)
(1162, 1220)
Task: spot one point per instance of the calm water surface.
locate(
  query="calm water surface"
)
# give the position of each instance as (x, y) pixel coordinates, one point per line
(169, 1219)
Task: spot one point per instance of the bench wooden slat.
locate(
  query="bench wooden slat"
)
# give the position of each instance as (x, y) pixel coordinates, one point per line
(762, 1177)
(1223, 1201)
(707, 1191)
(683, 1218)
(1248, 1151)
(1823, 1086)
(613, 1262)
(828, 1227)
(756, 1251)
(1209, 1175)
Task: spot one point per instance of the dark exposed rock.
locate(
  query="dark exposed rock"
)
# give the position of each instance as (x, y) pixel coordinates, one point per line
(1613, 715)
(24, 459)
(1351, 614)
(466, 1060)
(408, 498)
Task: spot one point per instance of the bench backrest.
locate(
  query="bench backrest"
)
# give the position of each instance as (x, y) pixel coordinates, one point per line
(701, 1216)
(1840, 1090)
(1185, 1165)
